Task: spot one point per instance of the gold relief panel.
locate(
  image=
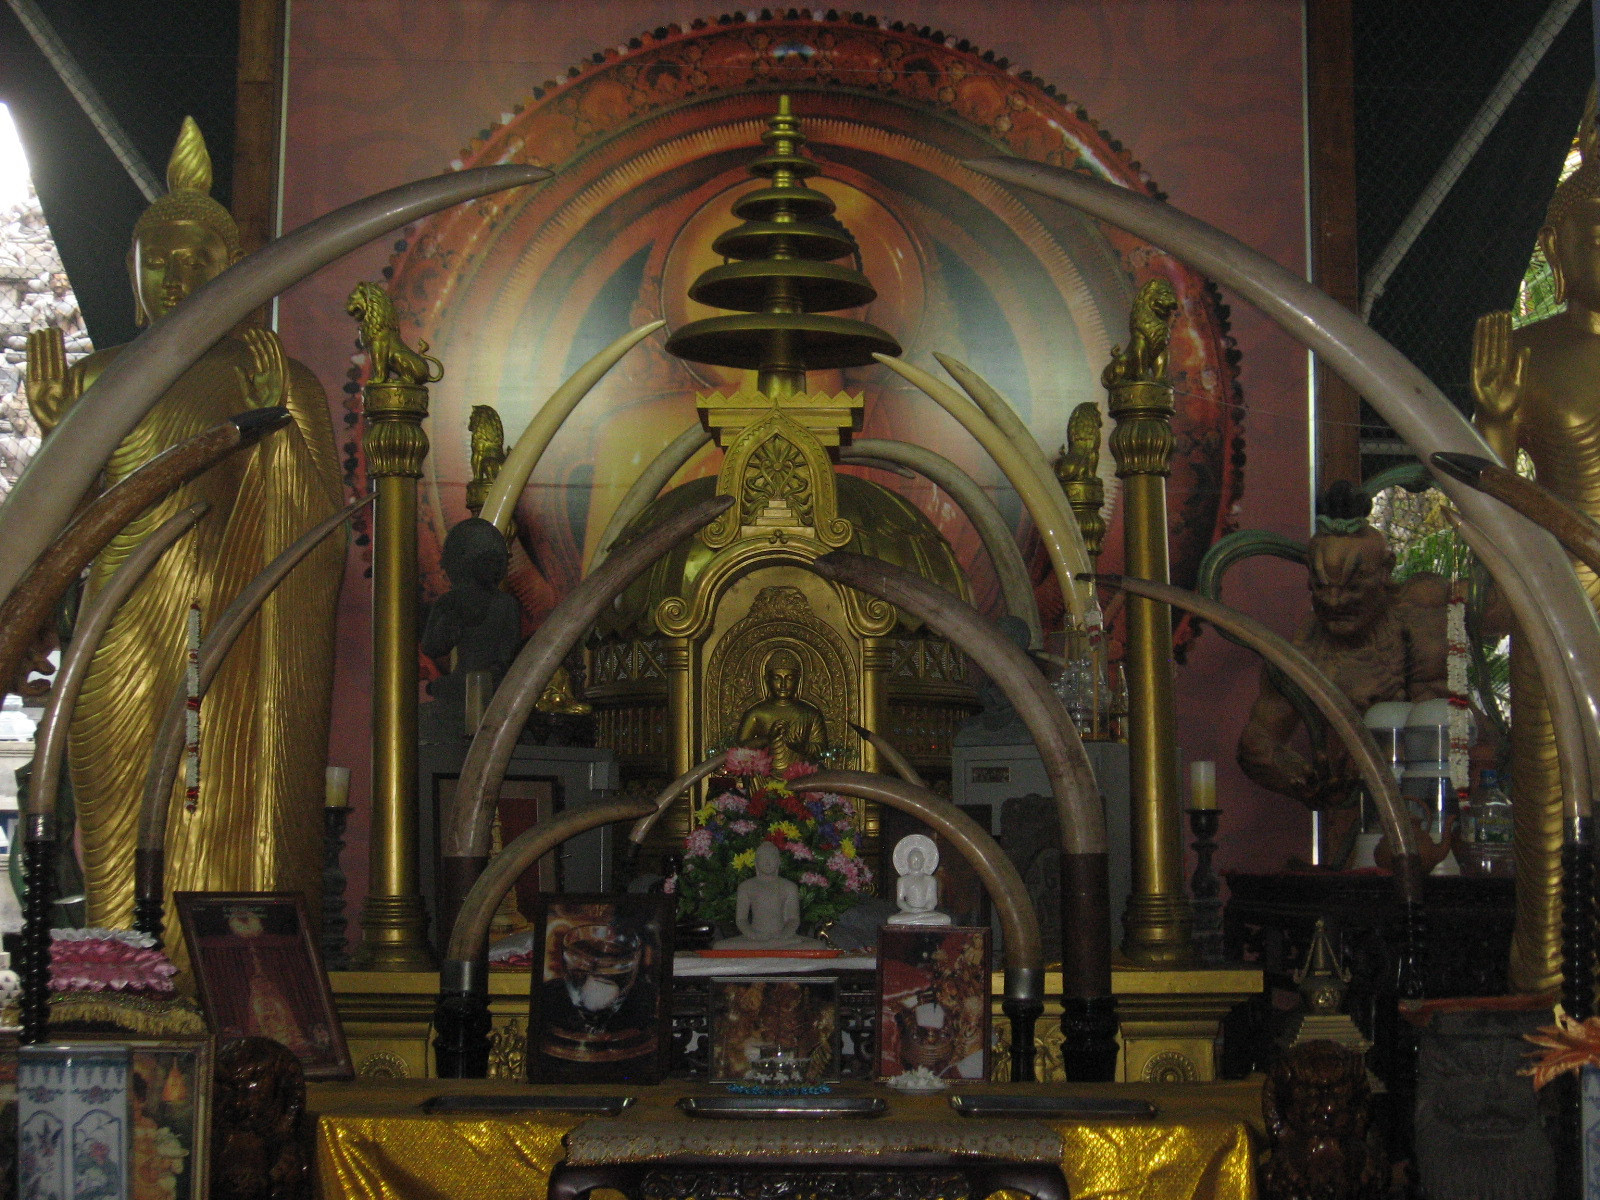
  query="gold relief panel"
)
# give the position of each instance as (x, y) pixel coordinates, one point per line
(784, 481)
(776, 610)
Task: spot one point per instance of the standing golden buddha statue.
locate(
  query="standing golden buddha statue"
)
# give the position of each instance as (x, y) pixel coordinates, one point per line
(264, 723)
(1538, 390)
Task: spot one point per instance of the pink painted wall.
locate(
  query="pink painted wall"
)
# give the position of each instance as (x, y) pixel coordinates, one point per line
(1206, 94)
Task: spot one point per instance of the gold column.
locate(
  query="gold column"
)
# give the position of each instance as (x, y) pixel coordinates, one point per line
(392, 918)
(1157, 922)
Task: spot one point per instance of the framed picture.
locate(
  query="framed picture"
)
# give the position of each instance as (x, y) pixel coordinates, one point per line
(259, 975)
(933, 1001)
(602, 974)
(775, 1030)
(169, 1110)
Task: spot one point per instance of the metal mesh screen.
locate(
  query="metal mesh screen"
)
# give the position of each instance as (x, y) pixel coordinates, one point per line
(1422, 72)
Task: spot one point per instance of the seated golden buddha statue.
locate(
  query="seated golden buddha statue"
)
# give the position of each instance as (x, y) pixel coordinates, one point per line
(792, 729)
(1538, 390)
(264, 721)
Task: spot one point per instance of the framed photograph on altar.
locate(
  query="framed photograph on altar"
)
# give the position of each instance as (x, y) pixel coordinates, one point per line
(259, 974)
(933, 1001)
(602, 978)
(169, 1109)
(776, 1031)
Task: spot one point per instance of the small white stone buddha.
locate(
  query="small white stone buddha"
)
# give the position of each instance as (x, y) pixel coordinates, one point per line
(767, 909)
(916, 858)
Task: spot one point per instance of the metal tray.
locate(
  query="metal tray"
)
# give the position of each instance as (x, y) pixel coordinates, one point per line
(598, 1106)
(1051, 1106)
(750, 1108)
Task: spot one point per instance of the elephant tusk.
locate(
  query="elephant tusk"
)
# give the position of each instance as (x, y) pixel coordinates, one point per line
(1052, 519)
(29, 605)
(468, 822)
(672, 459)
(1570, 525)
(500, 502)
(890, 753)
(993, 532)
(167, 756)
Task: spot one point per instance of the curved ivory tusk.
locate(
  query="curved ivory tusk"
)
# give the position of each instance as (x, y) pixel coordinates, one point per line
(1330, 701)
(167, 756)
(29, 605)
(467, 824)
(1023, 949)
(890, 753)
(500, 502)
(1566, 718)
(849, 459)
(1408, 400)
(50, 742)
(1570, 525)
(469, 934)
(42, 501)
(642, 827)
(997, 537)
(672, 459)
(1004, 414)
(1050, 513)
(1085, 902)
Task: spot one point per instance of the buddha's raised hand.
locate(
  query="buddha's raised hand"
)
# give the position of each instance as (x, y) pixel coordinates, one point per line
(1498, 374)
(269, 370)
(47, 375)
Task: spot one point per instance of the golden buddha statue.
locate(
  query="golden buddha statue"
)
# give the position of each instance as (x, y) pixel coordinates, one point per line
(264, 722)
(791, 728)
(1538, 389)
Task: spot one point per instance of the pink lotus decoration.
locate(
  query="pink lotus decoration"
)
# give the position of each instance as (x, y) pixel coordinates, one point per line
(747, 760)
(107, 960)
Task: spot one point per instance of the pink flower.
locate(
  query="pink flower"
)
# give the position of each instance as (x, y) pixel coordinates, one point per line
(800, 850)
(839, 863)
(698, 843)
(798, 770)
(669, 885)
(747, 760)
(812, 879)
(743, 826)
(729, 802)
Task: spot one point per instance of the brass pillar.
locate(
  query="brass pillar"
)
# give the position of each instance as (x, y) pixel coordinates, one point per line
(1158, 922)
(392, 918)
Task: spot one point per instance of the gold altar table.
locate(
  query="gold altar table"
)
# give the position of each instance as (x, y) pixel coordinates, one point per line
(375, 1143)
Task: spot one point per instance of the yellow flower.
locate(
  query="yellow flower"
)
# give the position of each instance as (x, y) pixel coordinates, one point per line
(789, 830)
(849, 848)
(743, 859)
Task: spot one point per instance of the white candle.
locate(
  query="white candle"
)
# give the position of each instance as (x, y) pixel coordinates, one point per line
(1203, 785)
(337, 794)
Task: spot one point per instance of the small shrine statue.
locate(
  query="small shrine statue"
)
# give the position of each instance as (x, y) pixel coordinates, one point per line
(475, 621)
(917, 891)
(767, 909)
(791, 728)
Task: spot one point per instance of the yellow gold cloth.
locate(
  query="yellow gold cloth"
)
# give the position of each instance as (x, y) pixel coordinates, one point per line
(373, 1141)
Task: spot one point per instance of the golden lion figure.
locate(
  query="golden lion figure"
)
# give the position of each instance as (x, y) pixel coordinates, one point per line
(1145, 359)
(392, 360)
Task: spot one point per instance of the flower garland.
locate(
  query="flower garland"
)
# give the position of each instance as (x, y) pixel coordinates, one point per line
(814, 832)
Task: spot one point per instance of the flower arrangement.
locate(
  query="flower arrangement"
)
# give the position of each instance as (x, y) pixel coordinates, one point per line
(108, 960)
(814, 833)
(1568, 1045)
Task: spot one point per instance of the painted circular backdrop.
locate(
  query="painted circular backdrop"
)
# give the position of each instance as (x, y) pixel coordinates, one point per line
(651, 146)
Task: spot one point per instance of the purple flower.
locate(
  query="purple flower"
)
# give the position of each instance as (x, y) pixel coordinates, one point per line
(698, 844)
(742, 826)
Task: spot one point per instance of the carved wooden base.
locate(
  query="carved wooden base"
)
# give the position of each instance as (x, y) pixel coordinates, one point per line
(892, 1177)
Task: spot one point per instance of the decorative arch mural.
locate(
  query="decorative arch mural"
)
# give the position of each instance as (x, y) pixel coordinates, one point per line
(650, 145)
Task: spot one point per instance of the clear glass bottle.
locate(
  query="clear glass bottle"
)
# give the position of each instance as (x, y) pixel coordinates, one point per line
(1491, 812)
